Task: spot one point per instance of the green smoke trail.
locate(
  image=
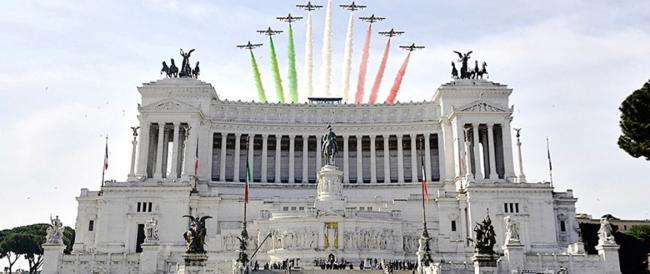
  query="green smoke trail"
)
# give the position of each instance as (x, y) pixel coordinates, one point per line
(276, 72)
(293, 77)
(258, 79)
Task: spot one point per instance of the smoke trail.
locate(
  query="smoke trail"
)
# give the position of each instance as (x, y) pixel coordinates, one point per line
(363, 68)
(347, 58)
(293, 77)
(326, 71)
(398, 81)
(380, 75)
(309, 58)
(258, 79)
(276, 72)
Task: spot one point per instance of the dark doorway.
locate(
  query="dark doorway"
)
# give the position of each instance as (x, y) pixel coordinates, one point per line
(140, 238)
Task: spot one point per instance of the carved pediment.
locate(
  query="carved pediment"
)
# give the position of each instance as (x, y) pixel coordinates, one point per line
(169, 105)
(481, 106)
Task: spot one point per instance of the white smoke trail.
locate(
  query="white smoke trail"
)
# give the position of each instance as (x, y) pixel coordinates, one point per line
(309, 59)
(326, 71)
(347, 58)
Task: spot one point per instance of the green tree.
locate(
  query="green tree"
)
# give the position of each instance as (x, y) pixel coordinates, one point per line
(27, 241)
(641, 232)
(635, 123)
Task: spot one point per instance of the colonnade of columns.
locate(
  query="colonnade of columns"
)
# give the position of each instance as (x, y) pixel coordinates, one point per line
(291, 159)
(483, 151)
(157, 141)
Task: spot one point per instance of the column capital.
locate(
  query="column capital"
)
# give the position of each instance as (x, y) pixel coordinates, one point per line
(385, 136)
(346, 137)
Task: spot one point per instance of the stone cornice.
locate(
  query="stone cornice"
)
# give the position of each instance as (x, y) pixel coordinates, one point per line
(319, 129)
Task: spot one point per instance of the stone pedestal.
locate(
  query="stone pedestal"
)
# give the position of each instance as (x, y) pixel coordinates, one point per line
(149, 258)
(609, 256)
(576, 248)
(514, 255)
(330, 189)
(193, 264)
(485, 263)
(52, 257)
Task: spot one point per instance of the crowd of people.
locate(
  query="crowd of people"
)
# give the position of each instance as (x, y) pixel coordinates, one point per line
(341, 264)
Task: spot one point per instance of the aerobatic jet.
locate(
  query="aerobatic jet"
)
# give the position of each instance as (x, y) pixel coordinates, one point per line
(353, 6)
(269, 32)
(391, 33)
(412, 47)
(309, 6)
(372, 18)
(289, 18)
(249, 46)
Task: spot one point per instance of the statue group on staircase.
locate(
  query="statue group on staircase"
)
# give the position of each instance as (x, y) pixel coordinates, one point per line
(465, 71)
(195, 235)
(186, 71)
(485, 237)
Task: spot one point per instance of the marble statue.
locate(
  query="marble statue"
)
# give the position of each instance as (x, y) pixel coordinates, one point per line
(55, 231)
(606, 233)
(329, 146)
(195, 235)
(512, 230)
(151, 230)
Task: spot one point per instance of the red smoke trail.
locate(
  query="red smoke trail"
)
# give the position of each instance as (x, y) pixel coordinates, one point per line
(398, 81)
(380, 75)
(363, 68)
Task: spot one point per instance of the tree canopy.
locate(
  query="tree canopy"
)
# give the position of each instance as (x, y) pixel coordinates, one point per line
(635, 123)
(27, 241)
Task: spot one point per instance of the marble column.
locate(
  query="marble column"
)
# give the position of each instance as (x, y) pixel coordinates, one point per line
(441, 157)
(292, 144)
(143, 150)
(414, 159)
(386, 158)
(134, 144)
(468, 163)
(359, 159)
(265, 143)
(507, 150)
(373, 160)
(493, 162)
(318, 154)
(235, 177)
(177, 136)
(251, 156)
(159, 154)
(400, 159)
(427, 156)
(521, 177)
(478, 173)
(222, 163)
(278, 158)
(305, 158)
(346, 160)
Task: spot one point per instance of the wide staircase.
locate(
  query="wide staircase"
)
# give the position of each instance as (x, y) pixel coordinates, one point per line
(329, 271)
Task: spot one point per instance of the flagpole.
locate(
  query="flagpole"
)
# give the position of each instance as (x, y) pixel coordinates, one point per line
(105, 158)
(550, 166)
(424, 251)
(243, 239)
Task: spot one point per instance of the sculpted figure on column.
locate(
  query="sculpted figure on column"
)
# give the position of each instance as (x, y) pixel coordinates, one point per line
(55, 231)
(512, 230)
(329, 146)
(606, 233)
(151, 230)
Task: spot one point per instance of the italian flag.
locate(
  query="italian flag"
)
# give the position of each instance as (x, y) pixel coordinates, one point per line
(249, 178)
(425, 191)
(196, 158)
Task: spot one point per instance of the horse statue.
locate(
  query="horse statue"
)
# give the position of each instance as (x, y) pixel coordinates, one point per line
(173, 69)
(484, 71)
(454, 71)
(474, 73)
(463, 58)
(195, 235)
(186, 70)
(329, 147)
(165, 69)
(196, 71)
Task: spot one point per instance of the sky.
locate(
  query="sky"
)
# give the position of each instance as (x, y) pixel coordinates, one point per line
(70, 70)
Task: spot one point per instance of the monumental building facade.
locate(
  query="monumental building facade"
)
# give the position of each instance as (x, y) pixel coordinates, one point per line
(193, 149)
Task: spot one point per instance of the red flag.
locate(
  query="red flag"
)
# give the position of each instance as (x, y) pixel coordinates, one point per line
(425, 190)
